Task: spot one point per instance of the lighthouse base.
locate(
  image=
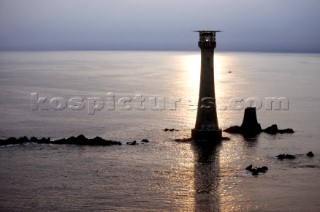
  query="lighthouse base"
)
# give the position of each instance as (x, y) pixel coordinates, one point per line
(206, 135)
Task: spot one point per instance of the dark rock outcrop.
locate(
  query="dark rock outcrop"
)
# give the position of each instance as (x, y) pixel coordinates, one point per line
(24, 139)
(182, 139)
(285, 156)
(170, 130)
(251, 127)
(190, 139)
(257, 170)
(310, 154)
(233, 129)
(80, 140)
(132, 143)
(273, 129)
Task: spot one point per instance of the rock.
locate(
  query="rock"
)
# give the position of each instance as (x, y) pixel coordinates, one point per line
(257, 170)
(249, 168)
(60, 141)
(288, 130)
(182, 139)
(71, 140)
(233, 129)
(23, 139)
(273, 129)
(132, 143)
(45, 140)
(310, 154)
(250, 125)
(34, 140)
(80, 140)
(170, 130)
(262, 169)
(285, 156)
(255, 173)
(145, 140)
(8, 141)
(98, 141)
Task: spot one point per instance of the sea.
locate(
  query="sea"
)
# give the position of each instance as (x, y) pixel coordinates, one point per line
(133, 95)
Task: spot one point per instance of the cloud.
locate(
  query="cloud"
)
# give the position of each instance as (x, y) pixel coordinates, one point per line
(282, 25)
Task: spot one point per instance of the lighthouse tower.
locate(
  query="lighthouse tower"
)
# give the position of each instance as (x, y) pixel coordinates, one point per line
(206, 127)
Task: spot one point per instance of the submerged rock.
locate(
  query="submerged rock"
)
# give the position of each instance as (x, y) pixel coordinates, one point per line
(285, 156)
(310, 154)
(23, 140)
(273, 129)
(182, 139)
(132, 143)
(288, 130)
(263, 169)
(233, 129)
(257, 170)
(80, 140)
(249, 168)
(170, 130)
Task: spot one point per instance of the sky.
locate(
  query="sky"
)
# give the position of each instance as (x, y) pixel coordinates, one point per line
(247, 25)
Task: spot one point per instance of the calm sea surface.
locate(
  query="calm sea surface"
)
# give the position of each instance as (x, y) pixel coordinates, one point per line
(129, 96)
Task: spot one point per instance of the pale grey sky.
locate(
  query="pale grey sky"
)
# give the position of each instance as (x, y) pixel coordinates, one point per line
(248, 25)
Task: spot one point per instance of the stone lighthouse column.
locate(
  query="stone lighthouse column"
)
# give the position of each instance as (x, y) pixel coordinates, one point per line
(206, 127)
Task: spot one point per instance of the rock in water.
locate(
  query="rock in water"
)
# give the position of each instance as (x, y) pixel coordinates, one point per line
(249, 168)
(132, 143)
(285, 156)
(310, 154)
(289, 130)
(233, 129)
(250, 125)
(273, 129)
(255, 171)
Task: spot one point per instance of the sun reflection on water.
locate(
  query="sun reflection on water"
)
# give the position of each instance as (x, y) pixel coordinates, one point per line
(189, 71)
(224, 194)
(191, 65)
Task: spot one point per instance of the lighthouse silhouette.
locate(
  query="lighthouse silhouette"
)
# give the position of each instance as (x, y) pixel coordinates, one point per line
(206, 127)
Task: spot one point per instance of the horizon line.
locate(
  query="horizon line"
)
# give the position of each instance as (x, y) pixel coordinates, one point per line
(155, 50)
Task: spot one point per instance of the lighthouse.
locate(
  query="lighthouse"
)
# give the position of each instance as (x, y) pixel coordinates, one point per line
(206, 127)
